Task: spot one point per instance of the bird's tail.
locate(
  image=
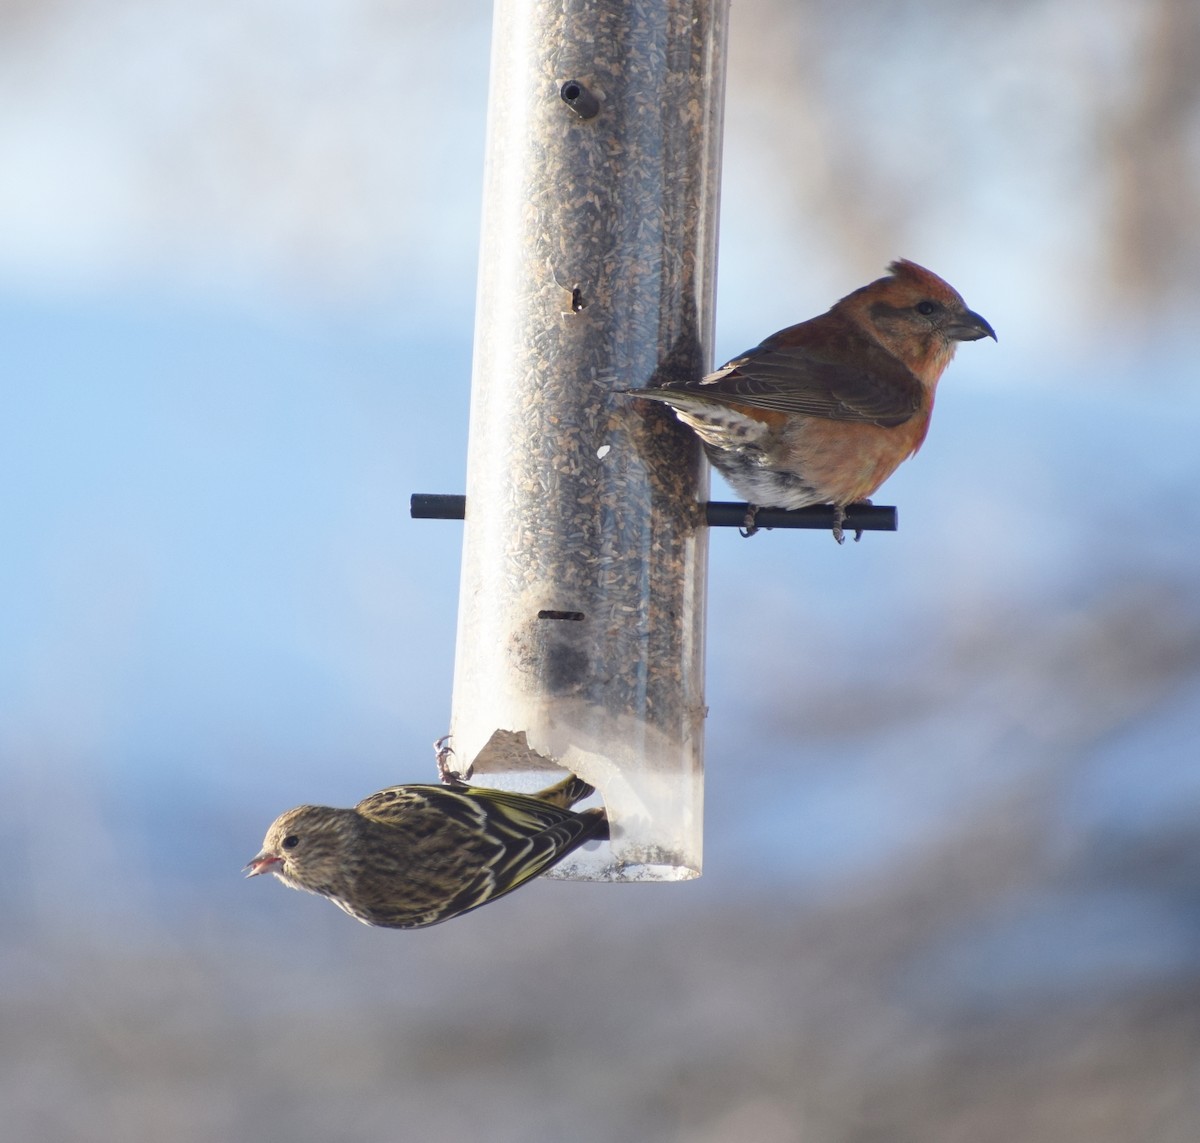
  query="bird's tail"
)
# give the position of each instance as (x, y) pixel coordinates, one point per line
(600, 830)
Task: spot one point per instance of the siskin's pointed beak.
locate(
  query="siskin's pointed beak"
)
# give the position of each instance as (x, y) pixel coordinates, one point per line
(264, 863)
(970, 326)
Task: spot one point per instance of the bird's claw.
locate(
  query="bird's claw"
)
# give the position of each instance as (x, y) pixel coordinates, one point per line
(443, 752)
(839, 518)
(749, 525)
(858, 532)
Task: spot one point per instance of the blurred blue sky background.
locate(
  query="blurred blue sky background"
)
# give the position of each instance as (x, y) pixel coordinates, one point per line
(237, 258)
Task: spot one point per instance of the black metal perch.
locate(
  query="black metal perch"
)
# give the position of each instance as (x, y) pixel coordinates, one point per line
(718, 514)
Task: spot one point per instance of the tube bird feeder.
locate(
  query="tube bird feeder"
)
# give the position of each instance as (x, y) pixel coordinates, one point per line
(581, 613)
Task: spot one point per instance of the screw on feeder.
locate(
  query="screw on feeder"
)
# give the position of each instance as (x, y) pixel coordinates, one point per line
(577, 303)
(579, 99)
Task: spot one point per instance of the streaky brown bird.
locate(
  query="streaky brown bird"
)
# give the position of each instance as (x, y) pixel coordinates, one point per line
(416, 855)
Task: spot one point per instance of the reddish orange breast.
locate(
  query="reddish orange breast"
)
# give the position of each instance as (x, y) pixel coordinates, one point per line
(848, 460)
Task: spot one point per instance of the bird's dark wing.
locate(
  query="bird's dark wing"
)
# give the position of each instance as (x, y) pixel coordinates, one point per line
(522, 813)
(876, 388)
(485, 842)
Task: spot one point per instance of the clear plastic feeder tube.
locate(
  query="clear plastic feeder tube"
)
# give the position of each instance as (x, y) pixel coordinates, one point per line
(581, 614)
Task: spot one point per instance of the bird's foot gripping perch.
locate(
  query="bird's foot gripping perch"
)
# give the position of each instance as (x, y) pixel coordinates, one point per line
(839, 518)
(749, 524)
(443, 752)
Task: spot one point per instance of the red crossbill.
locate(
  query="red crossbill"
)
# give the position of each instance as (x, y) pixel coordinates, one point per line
(825, 411)
(411, 856)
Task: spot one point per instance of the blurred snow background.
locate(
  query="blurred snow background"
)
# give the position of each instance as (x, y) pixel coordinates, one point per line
(953, 837)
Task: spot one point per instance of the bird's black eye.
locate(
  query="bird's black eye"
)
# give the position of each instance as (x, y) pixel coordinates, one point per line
(926, 307)
(291, 841)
